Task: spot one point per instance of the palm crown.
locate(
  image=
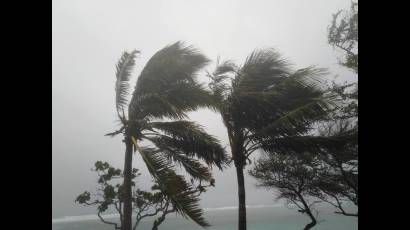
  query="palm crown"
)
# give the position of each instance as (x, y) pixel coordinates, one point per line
(266, 104)
(167, 88)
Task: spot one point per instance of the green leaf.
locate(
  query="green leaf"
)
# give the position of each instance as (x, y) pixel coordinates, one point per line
(191, 139)
(169, 82)
(123, 73)
(181, 194)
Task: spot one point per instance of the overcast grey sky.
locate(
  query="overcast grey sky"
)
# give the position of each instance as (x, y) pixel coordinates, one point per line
(89, 36)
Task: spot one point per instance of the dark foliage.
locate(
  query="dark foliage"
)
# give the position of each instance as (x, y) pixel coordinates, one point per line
(154, 203)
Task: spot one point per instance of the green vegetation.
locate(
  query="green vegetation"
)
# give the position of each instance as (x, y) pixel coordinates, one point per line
(305, 130)
(266, 105)
(343, 33)
(322, 167)
(293, 177)
(110, 194)
(166, 88)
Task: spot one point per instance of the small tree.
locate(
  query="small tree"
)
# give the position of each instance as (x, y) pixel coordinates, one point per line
(343, 34)
(337, 187)
(294, 178)
(339, 171)
(339, 181)
(110, 195)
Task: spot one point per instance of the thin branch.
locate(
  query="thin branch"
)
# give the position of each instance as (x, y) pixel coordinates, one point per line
(348, 214)
(108, 222)
(345, 49)
(115, 132)
(298, 205)
(140, 217)
(118, 208)
(252, 149)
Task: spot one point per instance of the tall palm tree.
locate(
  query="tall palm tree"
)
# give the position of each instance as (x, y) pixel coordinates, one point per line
(265, 105)
(166, 88)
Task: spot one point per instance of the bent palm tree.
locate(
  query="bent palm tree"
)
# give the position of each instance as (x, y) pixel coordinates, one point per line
(166, 88)
(266, 106)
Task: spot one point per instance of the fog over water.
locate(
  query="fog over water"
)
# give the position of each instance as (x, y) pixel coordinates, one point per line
(89, 36)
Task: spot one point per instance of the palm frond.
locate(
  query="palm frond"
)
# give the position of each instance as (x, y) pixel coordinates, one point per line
(302, 144)
(172, 69)
(173, 102)
(193, 167)
(219, 85)
(180, 193)
(309, 80)
(123, 73)
(227, 66)
(297, 121)
(185, 199)
(176, 62)
(262, 69)
(297, 97)
(192, 140)
(112, 134)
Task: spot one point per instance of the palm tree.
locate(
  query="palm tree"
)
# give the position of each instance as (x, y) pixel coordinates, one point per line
(166, 88)
(265, 105)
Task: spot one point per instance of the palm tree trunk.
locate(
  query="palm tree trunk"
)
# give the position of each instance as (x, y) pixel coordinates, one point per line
(127, 223)
(241, 196)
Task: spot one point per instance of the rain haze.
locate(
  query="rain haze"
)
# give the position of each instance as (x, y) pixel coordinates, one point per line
(90, 35)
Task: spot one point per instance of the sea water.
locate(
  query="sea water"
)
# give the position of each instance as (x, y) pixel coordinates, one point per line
(259, 217)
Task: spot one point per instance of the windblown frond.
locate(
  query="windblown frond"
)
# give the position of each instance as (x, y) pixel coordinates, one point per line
(302, 144)
(225, 67)
(170, 75)
(296, 99)
(261, 70)
(220, 84)
(309, 77)
(112, 134)
(123, 73)
(193, 167)
(181, 194)
(297, 121)
(185, 199)
(174, 102)
(173, 63)
(192, 140)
